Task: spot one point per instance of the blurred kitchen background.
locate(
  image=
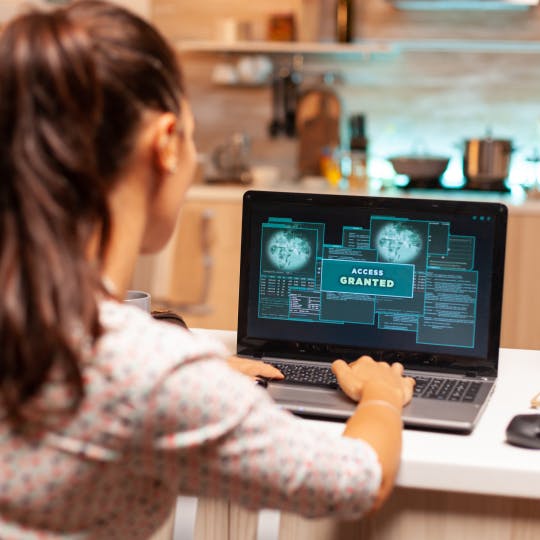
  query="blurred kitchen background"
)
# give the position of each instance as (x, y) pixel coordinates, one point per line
(427, 80)
(427, 75)
(272, 84)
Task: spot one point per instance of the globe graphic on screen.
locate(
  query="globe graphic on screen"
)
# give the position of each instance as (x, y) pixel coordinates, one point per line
(288, 250)
(398, 242)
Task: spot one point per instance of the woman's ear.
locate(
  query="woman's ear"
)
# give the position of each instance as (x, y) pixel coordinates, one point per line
(166, 143)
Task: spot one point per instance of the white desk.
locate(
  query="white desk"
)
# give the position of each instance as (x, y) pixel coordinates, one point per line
(449, 486)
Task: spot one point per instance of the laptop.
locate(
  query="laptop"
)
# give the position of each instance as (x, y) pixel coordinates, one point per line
(417, 281)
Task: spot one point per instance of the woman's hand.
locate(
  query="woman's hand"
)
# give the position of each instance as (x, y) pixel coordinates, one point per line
(366, 376)
(254, 368)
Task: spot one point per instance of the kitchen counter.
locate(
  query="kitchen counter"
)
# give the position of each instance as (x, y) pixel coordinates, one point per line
(516, 199)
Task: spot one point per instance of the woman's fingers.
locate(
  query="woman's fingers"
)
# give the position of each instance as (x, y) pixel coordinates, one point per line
(362, 361)
(268, 371)
(397, 367)
(408, 389)
(339, 367)
(351, 385)
(254, 368)
(407, 382)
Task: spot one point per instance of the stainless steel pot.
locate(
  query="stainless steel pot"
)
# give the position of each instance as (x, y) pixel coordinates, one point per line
(487, 160)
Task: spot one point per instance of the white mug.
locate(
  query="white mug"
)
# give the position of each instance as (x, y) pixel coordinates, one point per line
(141, 299)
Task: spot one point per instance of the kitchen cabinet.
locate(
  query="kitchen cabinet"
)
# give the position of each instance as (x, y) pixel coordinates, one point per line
(521, 323)
(198, 272)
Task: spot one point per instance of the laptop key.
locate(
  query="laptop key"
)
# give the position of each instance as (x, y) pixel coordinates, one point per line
(445, 389)
(433, 389)
(459, 391)
(421, 384)
(471, 392)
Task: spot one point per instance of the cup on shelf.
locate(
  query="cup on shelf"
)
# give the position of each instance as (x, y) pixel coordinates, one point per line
(231, 30)
(227, 30)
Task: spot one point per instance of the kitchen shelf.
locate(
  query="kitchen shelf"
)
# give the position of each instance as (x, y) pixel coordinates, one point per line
(365, 48)
(242, 84)
(286, 47)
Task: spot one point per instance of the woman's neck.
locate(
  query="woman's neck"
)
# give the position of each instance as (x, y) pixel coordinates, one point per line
(129, 207)
(128, 210)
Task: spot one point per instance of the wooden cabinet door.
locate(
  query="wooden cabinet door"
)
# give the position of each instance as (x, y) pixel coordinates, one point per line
(521, 297)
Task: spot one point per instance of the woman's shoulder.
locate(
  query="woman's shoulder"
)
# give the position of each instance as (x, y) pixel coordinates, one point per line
(137, 364)
(134, 343)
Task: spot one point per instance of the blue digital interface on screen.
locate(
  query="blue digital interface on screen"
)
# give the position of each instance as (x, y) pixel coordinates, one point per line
(392, 275)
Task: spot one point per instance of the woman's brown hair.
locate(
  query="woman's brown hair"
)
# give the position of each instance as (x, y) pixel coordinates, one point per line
(74, 82)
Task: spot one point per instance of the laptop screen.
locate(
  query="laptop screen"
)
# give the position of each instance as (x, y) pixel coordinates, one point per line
(414, 280)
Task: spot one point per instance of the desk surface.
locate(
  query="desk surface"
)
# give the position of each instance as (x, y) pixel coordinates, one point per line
(481, 462)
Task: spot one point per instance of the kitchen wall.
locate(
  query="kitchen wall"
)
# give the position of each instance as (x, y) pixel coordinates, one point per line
(415, 101)
(422, 100)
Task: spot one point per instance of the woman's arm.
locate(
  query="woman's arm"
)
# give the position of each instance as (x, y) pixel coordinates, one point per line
(209, 430)
(381, 391)
(212, 431)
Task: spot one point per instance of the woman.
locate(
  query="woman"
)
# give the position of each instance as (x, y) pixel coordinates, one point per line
(106, 414)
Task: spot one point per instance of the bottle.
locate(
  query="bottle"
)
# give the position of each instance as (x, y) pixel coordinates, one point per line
(344, 21)
(358, 145)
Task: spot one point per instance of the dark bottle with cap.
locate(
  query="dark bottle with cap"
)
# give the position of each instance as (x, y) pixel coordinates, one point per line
(345, 21)
(358, 145)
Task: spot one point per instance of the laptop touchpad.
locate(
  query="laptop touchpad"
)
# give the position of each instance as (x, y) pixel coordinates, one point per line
(319, 397)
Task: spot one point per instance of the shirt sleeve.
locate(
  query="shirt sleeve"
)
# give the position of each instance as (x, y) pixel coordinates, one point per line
(209, 430)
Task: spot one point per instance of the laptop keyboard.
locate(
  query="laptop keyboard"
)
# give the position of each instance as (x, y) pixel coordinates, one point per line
(321, 376)
(439, 388)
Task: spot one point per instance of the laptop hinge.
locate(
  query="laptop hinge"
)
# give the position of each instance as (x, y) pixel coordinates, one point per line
(472, 374)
